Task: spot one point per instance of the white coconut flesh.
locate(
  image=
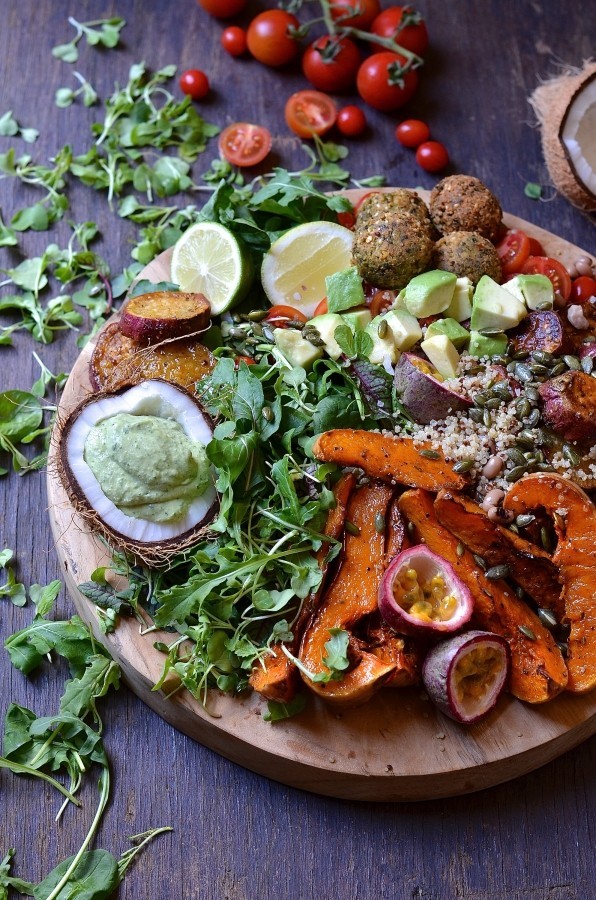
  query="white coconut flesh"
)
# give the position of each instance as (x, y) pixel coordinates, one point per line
(150, 398)
(578, 134)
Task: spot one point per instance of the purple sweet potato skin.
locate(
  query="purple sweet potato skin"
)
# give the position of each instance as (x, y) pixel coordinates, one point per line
(569, 406)
(424, 397)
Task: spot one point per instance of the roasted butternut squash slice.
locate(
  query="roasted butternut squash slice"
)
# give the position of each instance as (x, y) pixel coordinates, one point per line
(397, 460)
(352, 595)
(538, 671)
(574, 517)
(530, 566)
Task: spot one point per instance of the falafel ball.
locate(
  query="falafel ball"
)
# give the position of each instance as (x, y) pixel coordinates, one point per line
(390, 249)
(467, 253)
(464, 203)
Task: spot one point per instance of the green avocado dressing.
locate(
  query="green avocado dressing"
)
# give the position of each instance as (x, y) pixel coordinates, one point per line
(147, 466)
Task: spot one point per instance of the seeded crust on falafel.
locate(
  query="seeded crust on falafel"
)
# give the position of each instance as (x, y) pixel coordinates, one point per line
(464, 203)
(467, 253)
(380, 204)
(390, 249)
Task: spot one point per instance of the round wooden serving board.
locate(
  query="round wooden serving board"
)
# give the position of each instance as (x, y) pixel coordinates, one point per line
(397, 747)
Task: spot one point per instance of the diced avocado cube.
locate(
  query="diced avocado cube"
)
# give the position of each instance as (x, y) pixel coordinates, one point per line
(326, 325)
(460, 307)
(442, 354)
(383, 347)
(457, 334)
(357, 320)
(486, 345)
(296, 350)
(495, 308)
(430, 293)
(405, 328)
(536, 291)
(344, 290)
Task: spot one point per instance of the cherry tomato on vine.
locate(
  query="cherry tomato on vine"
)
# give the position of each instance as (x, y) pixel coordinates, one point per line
(403, 25)
(310, 112)
(194, 83)
(233, 40)
(243, 144)
(582, 289)
(222, 9)
(351, 121)
(331, 63)
(412, 132)
(513, 250)
(269, 37)
(280, 314)
(381, 84)
(432, 156)
(553, 269)
(355, 13)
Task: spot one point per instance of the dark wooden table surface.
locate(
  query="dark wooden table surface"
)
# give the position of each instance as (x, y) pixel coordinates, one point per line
(238, 835)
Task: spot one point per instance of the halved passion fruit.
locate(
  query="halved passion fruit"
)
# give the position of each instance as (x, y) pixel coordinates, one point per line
(466, 674)
(134, 466)
(420, 593)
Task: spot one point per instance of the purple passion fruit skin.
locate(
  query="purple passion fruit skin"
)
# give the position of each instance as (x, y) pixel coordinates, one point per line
(466, 674)
(421, 594)
(422, 393)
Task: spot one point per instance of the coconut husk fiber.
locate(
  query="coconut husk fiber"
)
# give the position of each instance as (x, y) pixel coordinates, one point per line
(550, 101)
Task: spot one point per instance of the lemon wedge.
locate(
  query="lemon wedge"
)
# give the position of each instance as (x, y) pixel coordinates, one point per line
(296, 265)
(208, 259)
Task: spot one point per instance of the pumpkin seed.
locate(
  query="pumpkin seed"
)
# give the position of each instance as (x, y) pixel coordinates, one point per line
(547, 617)
(572, 362)
(526, 439)
(534, 418)
(383, 328)
(460, 549)
(476, 415)
(493, 403)
(571, 455)
(463, 466)
(379, 523)
(523, 373)
(588, 364)
(532, 394)
(430, 454)
(487, 419)
(542, 356)
(497, 572)
(257, 329)
(516, 456)
(352, 529)
(546, 539)
(539, 369)
(480, 562)
(268, 413)
(527, 632)
(516, 473)
(523, 408)
(519, 592)
(563, 647)
(520, 354)
(257, 315)
(511, 367)
(544, 305)
(558, 369)
(525, 519)
(268, 334)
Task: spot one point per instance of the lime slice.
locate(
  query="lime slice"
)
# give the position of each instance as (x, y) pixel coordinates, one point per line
(296, 265)
(208, 259)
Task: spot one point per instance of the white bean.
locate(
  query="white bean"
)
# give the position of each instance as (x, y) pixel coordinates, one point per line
(583, 264)
(575, 316)
(492, 498)
(493, 467)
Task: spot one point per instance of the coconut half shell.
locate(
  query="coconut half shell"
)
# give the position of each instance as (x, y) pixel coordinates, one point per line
(149, 542)
(560, 104)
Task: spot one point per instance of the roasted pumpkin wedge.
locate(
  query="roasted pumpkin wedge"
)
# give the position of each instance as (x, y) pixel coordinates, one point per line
(397, 460)
(352, 595)
(538, 671)
(574, 517)
(530, 566)
(275, 676)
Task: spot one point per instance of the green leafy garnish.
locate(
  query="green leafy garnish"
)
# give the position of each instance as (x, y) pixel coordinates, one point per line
(100, 32)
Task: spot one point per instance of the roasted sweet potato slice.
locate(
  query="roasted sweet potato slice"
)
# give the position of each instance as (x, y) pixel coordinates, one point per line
(530, 566)
(397, 460)
(542, 330)
(574, 516)
(118, 360)
(538, 671)
(275, 676)
(569, 406)
(162, 315)
(351, 596)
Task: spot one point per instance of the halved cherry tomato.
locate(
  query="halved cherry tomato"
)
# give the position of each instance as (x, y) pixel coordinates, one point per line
(310, 112)
(381, 302)
(355, 13)
(513, 250)
(582, 289)
(347, 219)
(404, 25)
(381, 82)
(243, 144)
(536, 248)
(280, 314)
(270, 37)
(331, 63)
(243, 359)
(553, 269)
(322, 308)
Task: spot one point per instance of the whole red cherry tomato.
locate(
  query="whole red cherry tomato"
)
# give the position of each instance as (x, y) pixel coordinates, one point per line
(403, 25)
(233, 40)
(412, 132)
(382, 83)
(355, 13)
(582, 289)
(432, 156)
(310, 112)
(194, 83)
(553, 269)
(351, 121)
(513, 250)
(223, 9)
(331, 63)
(243, 144)
(270, 40)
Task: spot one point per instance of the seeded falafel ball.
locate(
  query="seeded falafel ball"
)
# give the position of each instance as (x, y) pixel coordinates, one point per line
(381, 204)
(467, 253)
(464, 203)
(391, 249)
